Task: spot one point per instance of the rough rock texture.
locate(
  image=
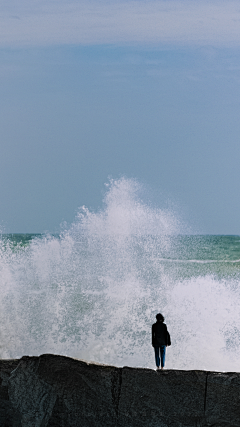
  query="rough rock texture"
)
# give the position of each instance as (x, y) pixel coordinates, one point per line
(57, 391)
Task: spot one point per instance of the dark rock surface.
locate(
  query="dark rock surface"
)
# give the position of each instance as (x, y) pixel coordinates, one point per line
(57, 391)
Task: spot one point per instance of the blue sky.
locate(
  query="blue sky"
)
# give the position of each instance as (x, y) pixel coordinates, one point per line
(145, 89)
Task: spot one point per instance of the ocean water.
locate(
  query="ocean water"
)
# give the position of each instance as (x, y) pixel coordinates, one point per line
(93, 291)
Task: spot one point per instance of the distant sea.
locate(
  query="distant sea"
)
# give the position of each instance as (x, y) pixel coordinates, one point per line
(93, 291)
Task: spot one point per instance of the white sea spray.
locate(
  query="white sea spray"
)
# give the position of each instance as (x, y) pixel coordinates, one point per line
(93, 291)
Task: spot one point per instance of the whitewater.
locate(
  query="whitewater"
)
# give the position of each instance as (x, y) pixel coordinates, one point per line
(92, 292)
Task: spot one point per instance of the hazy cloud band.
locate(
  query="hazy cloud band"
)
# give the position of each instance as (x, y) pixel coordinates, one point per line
(191, 22)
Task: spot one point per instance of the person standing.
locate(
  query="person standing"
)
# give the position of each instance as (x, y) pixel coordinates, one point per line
(160, 340)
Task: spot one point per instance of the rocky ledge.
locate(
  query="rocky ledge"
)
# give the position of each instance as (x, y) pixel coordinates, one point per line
(57, 391)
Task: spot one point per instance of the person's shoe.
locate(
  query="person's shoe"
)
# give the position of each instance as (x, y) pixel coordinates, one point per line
(158, 369)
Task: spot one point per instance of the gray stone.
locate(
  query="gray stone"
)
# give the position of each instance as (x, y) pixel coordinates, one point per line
(87, 393)
(57, 391)
(162, 398)
(9, 416)
(30, 394)
(223, 399)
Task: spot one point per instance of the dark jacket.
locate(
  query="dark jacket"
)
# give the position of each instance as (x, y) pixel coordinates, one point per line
(160, 334)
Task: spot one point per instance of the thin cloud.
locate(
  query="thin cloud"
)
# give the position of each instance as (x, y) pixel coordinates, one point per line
(181, 22)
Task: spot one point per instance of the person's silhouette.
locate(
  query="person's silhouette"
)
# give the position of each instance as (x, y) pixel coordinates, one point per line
(160, 340)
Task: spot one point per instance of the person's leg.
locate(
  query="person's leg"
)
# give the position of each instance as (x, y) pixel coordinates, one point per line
(163, 355)
(157, 358)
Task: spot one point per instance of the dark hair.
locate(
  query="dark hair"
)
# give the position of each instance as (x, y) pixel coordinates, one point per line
(160, 317)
